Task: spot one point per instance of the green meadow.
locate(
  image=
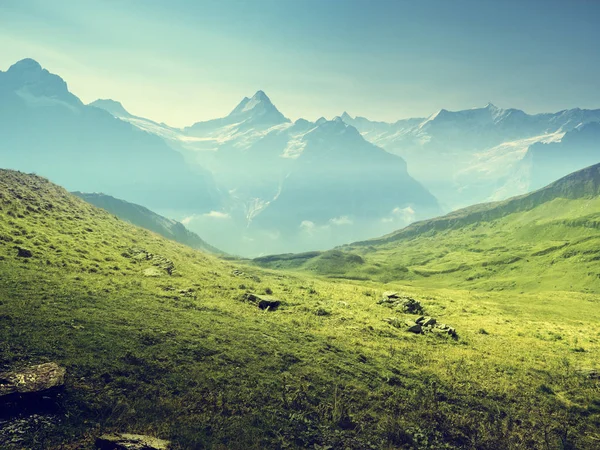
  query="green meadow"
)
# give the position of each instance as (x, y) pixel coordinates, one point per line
(157, 338)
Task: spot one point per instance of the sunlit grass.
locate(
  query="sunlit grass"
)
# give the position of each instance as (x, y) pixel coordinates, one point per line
(181, 357)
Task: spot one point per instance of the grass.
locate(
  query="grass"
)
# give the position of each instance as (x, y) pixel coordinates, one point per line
(181, 357)
(544, 241)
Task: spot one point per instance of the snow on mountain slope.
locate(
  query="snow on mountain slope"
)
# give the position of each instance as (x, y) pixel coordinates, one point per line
(464, 156)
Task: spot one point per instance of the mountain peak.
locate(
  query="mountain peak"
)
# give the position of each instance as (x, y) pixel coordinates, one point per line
(27, 64)
(30, 78)
(491, 107)
(345, 116)
(258, 109)
(260, 95)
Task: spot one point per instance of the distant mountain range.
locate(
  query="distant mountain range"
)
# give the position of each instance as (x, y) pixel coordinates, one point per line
(469, 156)
(46, 129)
(295, 185)
(144, 218)
(255, 182)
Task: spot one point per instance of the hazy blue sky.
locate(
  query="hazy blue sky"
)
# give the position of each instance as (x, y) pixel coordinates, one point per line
(181, 61)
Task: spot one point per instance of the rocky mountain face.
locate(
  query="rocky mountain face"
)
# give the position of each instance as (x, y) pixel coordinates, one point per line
(580, 147)
(473, 155)
(46, 129)
(254, 182)
(294, 186)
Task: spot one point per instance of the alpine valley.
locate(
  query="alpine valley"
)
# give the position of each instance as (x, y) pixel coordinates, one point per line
(253, 282)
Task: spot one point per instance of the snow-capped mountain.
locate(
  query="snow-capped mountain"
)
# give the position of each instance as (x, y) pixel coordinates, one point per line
(466, 156)
(256, 112)
(46, 129)
(304, 184)
(289, 178)
(293, 186)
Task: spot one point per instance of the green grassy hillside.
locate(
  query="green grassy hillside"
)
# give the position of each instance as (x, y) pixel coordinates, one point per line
(143, 217)
(546, 240)
(156, 340)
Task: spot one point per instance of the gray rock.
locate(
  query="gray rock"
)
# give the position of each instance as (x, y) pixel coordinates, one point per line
(413, 327)
(263, 301)
(24, 253)
(427, 321)
(390, 294)
(126, 441)
(411, 306)
(33, 379)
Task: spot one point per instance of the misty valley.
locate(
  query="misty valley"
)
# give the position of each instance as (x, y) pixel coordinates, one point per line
(254, 281)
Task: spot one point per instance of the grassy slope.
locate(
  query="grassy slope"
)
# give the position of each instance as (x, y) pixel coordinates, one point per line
(547, 240)
(142, 217)
(323, 371)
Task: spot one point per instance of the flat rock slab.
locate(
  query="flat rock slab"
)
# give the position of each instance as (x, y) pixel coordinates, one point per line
(32, 379)
(126, 441)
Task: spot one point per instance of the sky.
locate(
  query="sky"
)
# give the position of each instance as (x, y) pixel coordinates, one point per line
(183, 61)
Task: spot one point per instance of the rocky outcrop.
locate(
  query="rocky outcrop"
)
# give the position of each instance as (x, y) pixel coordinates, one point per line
(126, 441)
(400, 302)
(33, 379)
(422, 325)
(265, 302)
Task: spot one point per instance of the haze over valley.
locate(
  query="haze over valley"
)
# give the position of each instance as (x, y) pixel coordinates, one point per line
(305, 224)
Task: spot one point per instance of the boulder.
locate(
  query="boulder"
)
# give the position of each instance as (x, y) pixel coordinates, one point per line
(33, 379)
(443, 328)
(24, 253)
(426, 321)
(263, 301)
(413, 327)
(411, 306)
(126, 441)
(390, 294)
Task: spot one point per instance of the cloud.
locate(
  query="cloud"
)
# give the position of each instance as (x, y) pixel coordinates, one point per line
(400, 215)
(342, 220)
(307, 225)
(217, 215)
(211, 215)
(403, 211)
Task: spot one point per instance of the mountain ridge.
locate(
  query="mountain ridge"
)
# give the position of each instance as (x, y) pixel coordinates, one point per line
(143, 217)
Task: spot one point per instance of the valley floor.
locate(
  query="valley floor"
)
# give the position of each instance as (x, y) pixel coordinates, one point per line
(184, 359)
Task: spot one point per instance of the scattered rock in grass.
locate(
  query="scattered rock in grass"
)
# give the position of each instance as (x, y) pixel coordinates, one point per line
(262, 301)
(406, 304)
(413, 327)
(34, 379)
(126, 441)
(187, 293)
(422, 325)
(426, 321)
(239, 273)
(158, 261)
(24, 253)
(445, 329)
